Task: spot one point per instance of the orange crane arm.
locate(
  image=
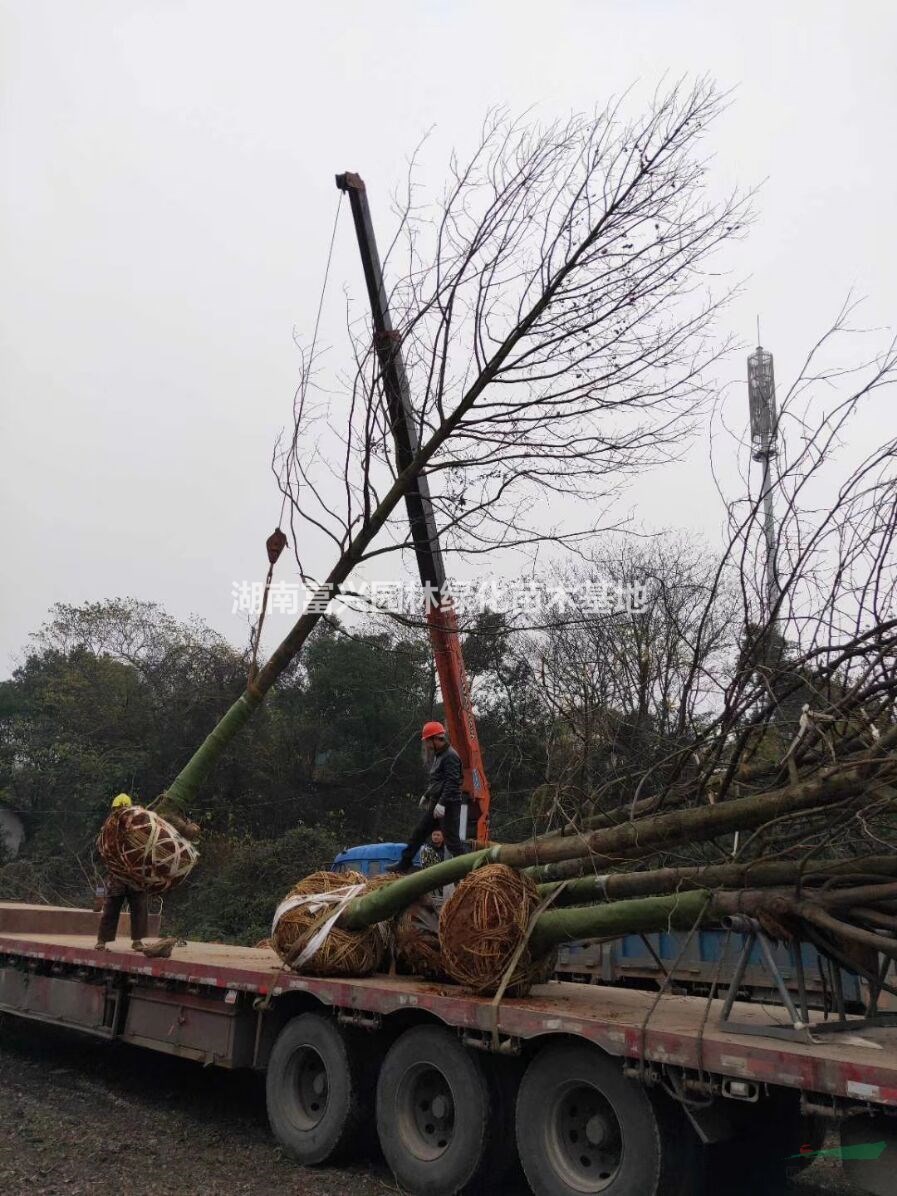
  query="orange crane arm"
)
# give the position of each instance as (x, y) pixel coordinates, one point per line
(441, 620)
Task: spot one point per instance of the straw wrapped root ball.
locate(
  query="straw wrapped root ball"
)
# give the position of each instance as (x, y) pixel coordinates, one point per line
(417, 940)
(301, 938)
(326, 882)
(482, 927)
(144, 851)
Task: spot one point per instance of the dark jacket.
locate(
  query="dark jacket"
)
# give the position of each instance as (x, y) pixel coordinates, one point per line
(446, 775)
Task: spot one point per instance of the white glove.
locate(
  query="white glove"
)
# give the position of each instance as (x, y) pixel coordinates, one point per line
(439, 811)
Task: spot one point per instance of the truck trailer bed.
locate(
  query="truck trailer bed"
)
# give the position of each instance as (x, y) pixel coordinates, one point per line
(676, 1031)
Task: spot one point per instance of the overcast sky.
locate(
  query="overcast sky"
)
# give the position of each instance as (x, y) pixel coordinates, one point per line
(167, 196)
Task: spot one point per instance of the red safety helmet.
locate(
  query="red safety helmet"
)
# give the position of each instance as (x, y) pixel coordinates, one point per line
(432, 729)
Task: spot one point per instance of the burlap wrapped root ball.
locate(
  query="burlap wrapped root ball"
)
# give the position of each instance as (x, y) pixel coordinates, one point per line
(482, 925)
(343, 952)
(417, 940)
(144, 851)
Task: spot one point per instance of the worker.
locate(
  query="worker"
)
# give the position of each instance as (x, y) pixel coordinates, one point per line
(117, 893)
(434, 851)
(443, 802)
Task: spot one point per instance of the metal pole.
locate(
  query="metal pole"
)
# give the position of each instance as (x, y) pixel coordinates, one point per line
(764, 434)
(769, 529)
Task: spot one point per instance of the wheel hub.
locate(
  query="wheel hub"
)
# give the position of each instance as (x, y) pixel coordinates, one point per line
(597, 1130)
(585, 1140)
(426, 1111)
(309, 1078)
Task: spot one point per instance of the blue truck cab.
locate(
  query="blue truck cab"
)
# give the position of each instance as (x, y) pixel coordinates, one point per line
(370, 859)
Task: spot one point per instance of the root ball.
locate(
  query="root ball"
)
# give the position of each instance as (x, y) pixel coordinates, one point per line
(483, 924)
(342, 952)
(144, 851)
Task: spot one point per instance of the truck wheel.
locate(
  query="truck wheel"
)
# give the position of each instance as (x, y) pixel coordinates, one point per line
(315, 1092)
(433, 1114)
(583, 1127)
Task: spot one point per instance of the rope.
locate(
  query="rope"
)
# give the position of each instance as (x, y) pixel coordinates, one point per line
(326, 921)
(643, 1028)
(275, 545)
(144, 851)
(257, 635)
(515, 958)
(314, 339)
(710, 999)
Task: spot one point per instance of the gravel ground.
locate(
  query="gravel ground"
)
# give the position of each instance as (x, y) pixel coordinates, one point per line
(824, 1177)
(81, 1117)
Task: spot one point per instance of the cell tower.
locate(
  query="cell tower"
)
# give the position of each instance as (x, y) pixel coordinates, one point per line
(764, 434)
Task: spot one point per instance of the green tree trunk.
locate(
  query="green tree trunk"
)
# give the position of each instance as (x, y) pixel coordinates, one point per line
(679, 912)
(620, 885)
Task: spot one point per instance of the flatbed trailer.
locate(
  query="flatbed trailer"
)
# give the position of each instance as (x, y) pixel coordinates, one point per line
(604, 1089)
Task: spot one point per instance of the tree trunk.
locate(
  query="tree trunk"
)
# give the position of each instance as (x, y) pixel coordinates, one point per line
(684, 911)
(620, 885)
(679, 912)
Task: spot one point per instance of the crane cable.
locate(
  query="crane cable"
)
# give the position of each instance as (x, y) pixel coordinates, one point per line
(277, 541)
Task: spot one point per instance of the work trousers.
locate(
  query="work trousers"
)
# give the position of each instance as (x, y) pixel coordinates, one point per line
(450, 824)
(116, 896)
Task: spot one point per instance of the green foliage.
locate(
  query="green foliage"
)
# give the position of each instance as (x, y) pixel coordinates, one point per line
(115, 696)
(236, 886)
(46, 877)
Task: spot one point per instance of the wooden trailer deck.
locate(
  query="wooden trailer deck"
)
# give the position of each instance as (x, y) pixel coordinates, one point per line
(679, 1031)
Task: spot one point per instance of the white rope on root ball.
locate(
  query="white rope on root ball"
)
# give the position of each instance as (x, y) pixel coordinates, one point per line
(144, 851)
(305, 934)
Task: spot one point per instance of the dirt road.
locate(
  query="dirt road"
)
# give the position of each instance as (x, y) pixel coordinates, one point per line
(83, 1118)
(79, 1116)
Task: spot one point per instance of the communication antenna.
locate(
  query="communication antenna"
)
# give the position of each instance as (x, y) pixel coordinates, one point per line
(764, 435)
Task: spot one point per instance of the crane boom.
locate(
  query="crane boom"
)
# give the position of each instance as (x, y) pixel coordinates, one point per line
(441, 620)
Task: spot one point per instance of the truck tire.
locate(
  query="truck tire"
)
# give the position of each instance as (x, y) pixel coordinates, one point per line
(316, 1091)
(434, 1118)
(583, 1127)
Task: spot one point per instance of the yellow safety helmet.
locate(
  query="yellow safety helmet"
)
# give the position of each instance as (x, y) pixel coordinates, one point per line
(119, 803)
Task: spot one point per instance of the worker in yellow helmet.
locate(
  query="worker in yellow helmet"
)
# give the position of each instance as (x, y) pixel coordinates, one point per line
(117, 893)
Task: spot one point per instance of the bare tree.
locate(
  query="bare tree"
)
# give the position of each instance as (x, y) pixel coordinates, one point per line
(816, 672)
(809, 687)
(614, 682)
(556, 325)
(554, 315)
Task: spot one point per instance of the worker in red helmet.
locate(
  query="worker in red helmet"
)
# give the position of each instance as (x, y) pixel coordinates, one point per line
(443, 803)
